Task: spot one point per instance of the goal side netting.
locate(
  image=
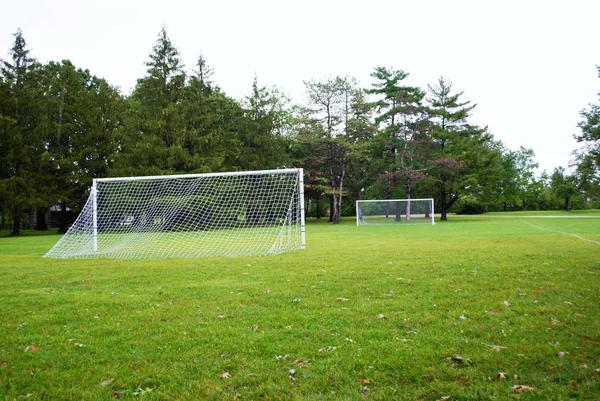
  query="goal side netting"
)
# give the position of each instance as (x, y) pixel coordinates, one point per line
(189, 216)
(394, 211)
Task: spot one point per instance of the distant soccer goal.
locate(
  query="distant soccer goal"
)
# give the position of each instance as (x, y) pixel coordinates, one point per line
(189, 216)
(394, 211)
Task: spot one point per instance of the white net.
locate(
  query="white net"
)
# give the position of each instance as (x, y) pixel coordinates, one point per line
(394, 211)
(189, 216)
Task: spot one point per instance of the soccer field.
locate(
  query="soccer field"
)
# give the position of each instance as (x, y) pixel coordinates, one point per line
(471, 309)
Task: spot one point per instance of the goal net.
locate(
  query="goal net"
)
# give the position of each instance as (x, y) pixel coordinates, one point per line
(189, 216)
(394, 211)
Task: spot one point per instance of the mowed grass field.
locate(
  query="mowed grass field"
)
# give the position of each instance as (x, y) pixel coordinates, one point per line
(466, 309)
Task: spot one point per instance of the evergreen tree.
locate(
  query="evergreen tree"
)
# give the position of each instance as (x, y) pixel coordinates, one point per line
(20, 144)
(265, 130)
(155, 125)
(466, 160)
(404, 131)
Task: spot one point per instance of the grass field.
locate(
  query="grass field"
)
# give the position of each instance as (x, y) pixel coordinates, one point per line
(377, 313)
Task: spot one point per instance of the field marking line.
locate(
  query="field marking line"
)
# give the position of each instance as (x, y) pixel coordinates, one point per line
(564, 233)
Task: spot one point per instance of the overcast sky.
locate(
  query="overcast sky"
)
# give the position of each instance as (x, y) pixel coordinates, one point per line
(529, 65)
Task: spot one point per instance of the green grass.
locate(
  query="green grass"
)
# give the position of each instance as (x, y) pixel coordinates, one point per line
(363, 313)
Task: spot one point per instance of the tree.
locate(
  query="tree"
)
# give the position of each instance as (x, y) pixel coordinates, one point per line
(82, 114)
(150, 142)
(590, 129)
(587, 178)
(564, 186)
(325, 109)
(20, 144)
(518, 178)
(265, 129)
(466, 160)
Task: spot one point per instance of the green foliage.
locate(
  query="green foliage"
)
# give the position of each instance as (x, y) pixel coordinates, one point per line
(61, 126)
(590, 129)
(20, 143)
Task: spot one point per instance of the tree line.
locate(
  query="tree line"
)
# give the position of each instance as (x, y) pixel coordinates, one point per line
(62, 126)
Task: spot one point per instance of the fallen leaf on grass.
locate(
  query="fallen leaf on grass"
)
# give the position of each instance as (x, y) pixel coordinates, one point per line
(107, 382)
(578, 315)
(554, 321)
(492, 310)
(225, 375)
(142, 391)
(299, 361)
(538, 291)
(520, 388)
(459, 360)
(342, 299)
(365, 382)
(255, 327)
(560, 354)
(33, 348)
(501, 376)
(380, 316)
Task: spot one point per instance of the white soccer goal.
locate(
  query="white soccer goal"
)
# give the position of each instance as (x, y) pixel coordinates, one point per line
(394, 211)
(188, 216)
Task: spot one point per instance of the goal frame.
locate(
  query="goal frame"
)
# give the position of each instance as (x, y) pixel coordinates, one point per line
(358, 215)
(300, 194)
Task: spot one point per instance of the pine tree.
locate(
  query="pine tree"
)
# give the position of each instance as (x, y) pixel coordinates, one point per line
(20, 145)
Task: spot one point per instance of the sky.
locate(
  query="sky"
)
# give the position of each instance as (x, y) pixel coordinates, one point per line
(529, 65)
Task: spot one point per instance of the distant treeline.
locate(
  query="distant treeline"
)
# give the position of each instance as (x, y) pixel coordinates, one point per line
(61, 126)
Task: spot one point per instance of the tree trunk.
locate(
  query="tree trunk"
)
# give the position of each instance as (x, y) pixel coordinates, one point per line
(504, 206)
(443, 207)
(567, 203)
(16, 229)
(523, 204)
(336, 204)
(318, 208)
(407, 188)
(40, 221)
(62, 218)
(330, 208)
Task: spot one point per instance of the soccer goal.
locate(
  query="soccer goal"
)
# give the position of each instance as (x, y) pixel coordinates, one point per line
(394, 211)
(189, 216)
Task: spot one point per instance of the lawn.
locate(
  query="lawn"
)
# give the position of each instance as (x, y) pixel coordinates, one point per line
(467, 309)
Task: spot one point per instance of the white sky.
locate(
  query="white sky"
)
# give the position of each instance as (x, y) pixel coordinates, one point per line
(528, 64)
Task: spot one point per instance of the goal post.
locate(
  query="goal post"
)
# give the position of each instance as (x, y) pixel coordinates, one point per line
(395, 211)
(190, 215)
